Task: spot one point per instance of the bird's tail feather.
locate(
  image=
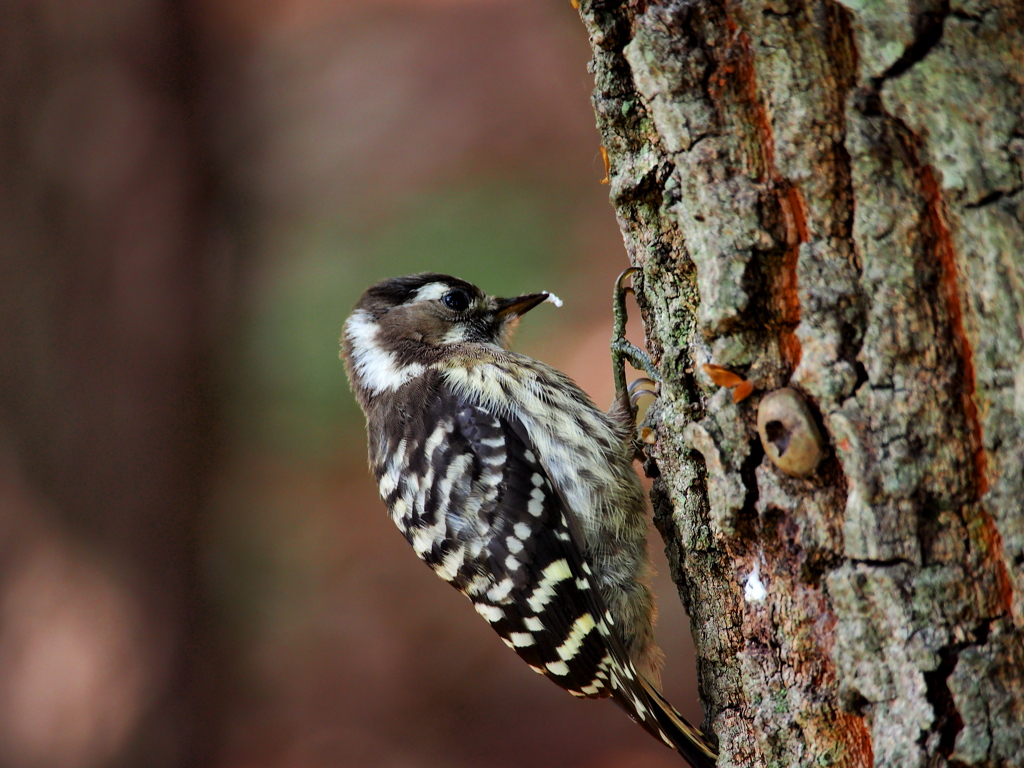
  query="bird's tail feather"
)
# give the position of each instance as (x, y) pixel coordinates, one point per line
(689, 741)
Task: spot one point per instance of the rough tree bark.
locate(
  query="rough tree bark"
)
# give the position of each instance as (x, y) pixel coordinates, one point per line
(829, 196)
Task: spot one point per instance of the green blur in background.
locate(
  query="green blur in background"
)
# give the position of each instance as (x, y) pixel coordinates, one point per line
(508, 239)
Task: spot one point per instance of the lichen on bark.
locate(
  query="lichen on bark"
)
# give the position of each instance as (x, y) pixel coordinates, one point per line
(831, 197)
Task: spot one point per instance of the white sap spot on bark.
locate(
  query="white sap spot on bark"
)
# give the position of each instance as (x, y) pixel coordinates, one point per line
(754, 590)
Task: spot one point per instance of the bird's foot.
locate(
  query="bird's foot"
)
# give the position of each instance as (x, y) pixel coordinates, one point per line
(623, 350)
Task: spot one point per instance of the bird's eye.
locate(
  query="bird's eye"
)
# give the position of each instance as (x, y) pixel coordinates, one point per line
(456, 300)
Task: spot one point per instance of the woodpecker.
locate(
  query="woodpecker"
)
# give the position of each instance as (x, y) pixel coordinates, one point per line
(514, 488)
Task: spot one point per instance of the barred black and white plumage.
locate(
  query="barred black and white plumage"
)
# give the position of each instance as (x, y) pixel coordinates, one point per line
(514, 488)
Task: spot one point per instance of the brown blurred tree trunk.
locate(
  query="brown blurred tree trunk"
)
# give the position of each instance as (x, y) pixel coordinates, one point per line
(829, 195)
(106, 424)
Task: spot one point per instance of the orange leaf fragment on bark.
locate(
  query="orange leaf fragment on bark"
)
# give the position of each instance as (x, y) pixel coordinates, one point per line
(742, 391)
(723, 377)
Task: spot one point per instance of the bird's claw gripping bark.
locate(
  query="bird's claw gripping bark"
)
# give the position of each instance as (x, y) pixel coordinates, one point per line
(624, 408)
(622, 349)
(640, 387)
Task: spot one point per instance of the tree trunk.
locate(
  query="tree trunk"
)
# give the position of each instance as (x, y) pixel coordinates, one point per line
(106, 424)
(829, 196)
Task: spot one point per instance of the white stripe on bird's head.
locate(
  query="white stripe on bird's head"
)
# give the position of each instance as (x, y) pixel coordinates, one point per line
(430, 292)
(377, 368)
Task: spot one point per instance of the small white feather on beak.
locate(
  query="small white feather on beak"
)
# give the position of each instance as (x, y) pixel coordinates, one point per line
(552, 299)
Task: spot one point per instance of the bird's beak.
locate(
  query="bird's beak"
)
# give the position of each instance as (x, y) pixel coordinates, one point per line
(509, 309)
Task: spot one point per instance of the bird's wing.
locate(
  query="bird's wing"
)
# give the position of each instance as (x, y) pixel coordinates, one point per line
(484, 514)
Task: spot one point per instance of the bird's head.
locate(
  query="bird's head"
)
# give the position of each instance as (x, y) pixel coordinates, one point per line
(403, 324)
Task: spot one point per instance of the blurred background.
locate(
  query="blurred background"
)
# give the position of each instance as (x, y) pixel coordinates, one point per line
(195, 568)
